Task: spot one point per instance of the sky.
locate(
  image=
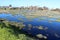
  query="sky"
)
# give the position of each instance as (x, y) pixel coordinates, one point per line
(27, 3)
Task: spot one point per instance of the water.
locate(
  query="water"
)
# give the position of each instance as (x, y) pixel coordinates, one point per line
(53, 28)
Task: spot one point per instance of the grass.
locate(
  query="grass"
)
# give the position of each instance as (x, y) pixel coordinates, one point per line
(33, 14)
(10, 32)
(58, 20)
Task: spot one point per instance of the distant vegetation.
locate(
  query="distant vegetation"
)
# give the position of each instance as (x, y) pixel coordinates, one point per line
(31, 12)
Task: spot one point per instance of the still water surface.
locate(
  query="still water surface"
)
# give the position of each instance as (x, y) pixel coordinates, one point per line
(52, 27)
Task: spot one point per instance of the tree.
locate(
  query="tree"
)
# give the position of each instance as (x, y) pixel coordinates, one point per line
(10, 5)
(45, 8)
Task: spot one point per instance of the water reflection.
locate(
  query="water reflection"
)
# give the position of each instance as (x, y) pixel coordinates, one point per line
(44, 28)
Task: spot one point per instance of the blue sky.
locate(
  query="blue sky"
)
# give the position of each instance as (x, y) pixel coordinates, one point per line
(41, 3)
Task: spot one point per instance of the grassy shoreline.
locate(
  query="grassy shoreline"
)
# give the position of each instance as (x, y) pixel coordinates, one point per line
(11, 32)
